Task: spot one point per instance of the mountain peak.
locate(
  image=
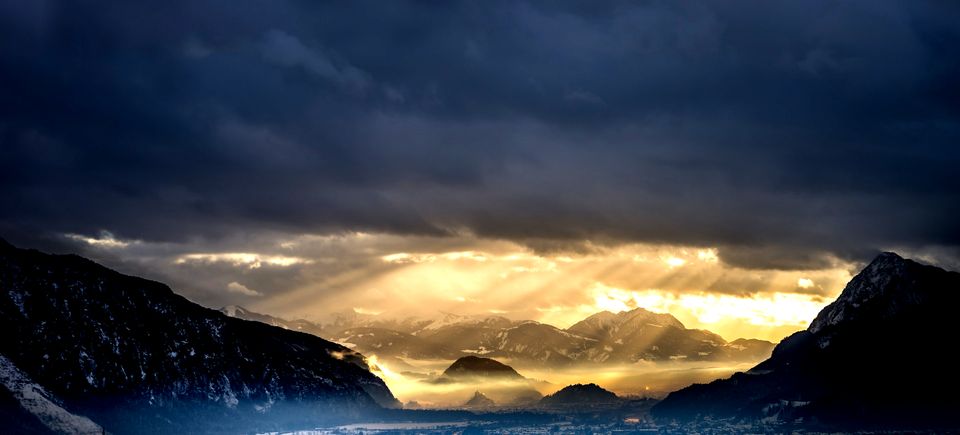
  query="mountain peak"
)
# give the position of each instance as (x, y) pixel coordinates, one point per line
(888, 255)
(603, 324)
(479, 400)
(479, 366)
(579, 394)
(664, 319)
(886, 262)
(888, 278)
(872, 358)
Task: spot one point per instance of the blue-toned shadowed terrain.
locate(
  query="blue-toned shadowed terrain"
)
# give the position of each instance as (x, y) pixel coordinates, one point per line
(90, 349)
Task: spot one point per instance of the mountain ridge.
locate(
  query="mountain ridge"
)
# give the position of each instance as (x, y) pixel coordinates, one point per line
(862, 363)
(602, 338)
(134, 356)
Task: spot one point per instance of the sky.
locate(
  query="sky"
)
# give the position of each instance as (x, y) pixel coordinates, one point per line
(733, 163)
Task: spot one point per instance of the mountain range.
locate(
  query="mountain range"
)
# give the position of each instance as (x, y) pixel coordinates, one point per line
(94, 350)
(90, 350)
(879, 357)
(603, 338)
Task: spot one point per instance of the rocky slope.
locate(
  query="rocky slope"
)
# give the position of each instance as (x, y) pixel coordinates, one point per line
(876, 358)
(298, 325)
(134, 357)
(390, 343)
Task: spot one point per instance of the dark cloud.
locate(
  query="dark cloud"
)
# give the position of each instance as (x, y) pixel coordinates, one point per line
(789, 134)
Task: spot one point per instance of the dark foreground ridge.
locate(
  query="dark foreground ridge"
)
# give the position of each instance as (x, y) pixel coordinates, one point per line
(134, 357)
(876, 358)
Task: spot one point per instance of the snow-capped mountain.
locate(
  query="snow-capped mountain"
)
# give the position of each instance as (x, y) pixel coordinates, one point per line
(603, 338)
(132, 356)
(877, 357)
(639, 334)
(606, 325)
(299, 325)
(389, 343)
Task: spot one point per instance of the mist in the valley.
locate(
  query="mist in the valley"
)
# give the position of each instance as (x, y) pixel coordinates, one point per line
(419, 384)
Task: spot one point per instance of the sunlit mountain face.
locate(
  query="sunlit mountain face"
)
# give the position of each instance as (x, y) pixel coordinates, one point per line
(623, 198)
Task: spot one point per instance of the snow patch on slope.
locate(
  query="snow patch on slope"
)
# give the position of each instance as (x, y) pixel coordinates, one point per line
(37, 401)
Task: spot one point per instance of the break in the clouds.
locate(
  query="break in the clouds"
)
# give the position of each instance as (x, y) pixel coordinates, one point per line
(784, 133)
(322, 276)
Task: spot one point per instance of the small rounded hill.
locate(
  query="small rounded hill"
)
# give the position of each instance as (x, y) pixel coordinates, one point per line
(580, 394)
(473, 366)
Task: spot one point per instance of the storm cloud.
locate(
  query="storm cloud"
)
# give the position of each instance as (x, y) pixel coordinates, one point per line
(785, 133)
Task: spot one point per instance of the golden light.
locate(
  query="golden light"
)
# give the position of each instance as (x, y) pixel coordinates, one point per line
(768, 314)
(106, 240)
(502, 278)
(486, 277)
(246, 259)
(674, 261)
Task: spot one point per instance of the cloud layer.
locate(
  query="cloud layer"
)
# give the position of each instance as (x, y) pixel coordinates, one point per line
(391, 276)
(784, 134)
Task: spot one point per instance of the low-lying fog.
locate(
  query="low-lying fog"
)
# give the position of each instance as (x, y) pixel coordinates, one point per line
(415, 382)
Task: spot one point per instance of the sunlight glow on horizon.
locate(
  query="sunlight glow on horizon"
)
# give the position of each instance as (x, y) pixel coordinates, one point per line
(769, 310)
(403, 276)
(410, 379)
(503, 278)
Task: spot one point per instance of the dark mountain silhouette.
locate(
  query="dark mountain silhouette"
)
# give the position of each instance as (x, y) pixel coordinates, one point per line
(500, 382)
(580, 394)
(876, 358)
(472, 366)
(136, 358)
(479, 401)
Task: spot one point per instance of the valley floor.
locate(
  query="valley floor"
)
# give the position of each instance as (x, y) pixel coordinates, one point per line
(409, 379)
